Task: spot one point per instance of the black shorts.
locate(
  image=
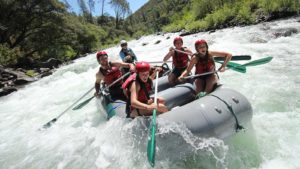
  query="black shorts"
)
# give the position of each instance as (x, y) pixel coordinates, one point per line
(178, 71)
(116, 93)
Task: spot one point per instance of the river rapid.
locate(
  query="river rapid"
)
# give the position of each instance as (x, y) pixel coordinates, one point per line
(84, 139)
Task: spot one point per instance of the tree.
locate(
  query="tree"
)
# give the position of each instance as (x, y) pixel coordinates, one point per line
(91, 4)
(121, 8)
(102, 9)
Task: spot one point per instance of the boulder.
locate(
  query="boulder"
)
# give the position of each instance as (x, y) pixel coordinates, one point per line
(50, 63)
(7, 90)
(157, 42)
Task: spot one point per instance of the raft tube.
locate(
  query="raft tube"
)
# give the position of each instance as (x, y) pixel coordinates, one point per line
(219, 114)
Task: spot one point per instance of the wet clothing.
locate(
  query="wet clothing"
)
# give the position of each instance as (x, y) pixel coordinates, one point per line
(180, 60)
(125, 52)
(111, 75)
(143, 93)
(204, 65)
(178, 71)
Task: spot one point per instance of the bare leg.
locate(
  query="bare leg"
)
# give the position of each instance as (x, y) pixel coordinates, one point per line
(199, 83)
(161, 100)
(172, 79)
(210, 82)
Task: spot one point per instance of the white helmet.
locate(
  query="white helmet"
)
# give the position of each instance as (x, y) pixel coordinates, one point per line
(123, 42)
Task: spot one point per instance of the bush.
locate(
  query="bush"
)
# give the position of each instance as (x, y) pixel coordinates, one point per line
(7, 55)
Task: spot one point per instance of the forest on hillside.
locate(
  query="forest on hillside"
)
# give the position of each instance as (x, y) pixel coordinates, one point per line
(39, 30)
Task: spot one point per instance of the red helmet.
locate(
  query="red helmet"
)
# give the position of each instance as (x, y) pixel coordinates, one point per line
(101, 53)
(200, 42)
(176, 39)
(142, 66)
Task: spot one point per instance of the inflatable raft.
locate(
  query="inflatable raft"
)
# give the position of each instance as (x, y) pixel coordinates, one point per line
(219, 114)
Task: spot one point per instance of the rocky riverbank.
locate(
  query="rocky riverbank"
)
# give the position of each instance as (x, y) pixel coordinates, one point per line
(26, 71)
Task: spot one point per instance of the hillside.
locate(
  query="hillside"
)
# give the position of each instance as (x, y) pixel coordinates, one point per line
(201, 15)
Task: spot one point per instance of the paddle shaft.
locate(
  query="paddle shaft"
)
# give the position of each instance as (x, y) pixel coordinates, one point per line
(47, 125)
(55, 119)
(203, 74)
(236, 57)
(152, 142)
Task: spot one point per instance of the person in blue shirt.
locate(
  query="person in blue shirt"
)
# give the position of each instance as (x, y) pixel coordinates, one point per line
(126, 54)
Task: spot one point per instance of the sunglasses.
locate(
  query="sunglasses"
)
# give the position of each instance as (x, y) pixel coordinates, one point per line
(124, 44)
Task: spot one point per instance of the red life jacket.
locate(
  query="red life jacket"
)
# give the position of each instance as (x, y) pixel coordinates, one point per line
(145, 88)
(180, 60)
(204, 65)
(111, 74)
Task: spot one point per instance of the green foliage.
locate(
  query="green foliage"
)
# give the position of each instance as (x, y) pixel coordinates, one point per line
(280, 5)
(7, 55)
(44, 29)
(31, 73)
(195, 15)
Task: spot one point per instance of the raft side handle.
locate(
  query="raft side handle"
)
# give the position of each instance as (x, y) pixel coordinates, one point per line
(218, 110)
(235, 100)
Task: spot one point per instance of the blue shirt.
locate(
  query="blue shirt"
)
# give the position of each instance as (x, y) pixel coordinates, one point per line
(125, 52)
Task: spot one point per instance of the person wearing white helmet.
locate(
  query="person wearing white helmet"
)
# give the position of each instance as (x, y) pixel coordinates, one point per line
(126, 54)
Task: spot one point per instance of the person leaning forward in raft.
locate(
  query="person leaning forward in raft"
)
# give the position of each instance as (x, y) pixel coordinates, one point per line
(109, 72)
(180, 60)
(204, 62)
(137, 87)
(127, 55)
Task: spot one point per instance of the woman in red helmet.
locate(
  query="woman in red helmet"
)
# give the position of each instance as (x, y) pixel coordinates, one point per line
(137, 87)
(109, 72)
(204, 62)
(180, 59)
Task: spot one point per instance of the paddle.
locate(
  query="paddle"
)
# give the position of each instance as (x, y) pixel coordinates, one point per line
(156, 62)
(234, 66)
(251, 63)
(151, 140)
(79, 106)
(259, 61)
(49, 124)
(230, 66)
(235, 57)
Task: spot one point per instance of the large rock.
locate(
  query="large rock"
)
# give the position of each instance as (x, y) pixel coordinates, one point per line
(285, 32)
(7, 90)
(50, 63)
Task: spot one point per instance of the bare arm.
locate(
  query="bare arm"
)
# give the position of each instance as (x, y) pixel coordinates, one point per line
(188, 51)
(123, 64)
(222, 54)
(168, 55)
(99, 78)
(134, 88)
(190, 67)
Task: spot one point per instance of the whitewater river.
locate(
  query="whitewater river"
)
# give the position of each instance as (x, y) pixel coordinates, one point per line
(83, 139)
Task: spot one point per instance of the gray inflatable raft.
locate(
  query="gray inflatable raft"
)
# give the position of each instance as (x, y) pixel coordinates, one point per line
(219, 114)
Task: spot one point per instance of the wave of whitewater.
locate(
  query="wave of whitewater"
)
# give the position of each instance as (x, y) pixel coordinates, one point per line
(83, 139)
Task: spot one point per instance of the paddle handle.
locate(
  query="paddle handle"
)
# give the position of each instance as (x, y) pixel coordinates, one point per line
(199, 75)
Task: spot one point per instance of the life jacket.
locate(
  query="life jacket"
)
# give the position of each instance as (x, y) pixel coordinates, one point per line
(111, 74)
(145, 88)
(204, 65)
(180, 60)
